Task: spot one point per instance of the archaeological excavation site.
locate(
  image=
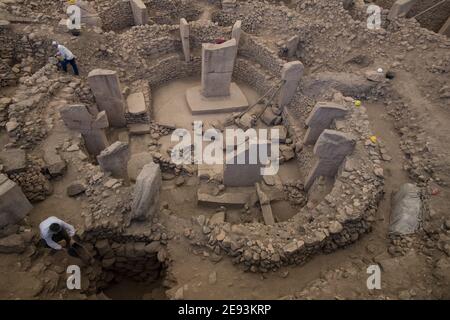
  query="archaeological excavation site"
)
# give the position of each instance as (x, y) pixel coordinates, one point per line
(224, 149)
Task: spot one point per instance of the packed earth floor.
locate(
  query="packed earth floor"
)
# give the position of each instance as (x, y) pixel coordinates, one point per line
(364, 121)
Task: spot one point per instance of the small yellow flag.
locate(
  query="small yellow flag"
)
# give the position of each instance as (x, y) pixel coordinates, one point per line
(357, 103)
(72, 1)
(373, 139)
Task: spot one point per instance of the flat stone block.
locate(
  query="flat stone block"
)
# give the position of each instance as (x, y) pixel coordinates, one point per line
(13, 160)
(138, 129)
(225, 199)
(14, 206)
(136, 103)
(199, 104)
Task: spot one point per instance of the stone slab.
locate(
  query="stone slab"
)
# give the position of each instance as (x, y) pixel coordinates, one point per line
(14, 206)
(13, 160)
(137, 162)
(217, 68)
(140, 14)
(199, 104)
(136, 103)
(224, 199)
(146, 194)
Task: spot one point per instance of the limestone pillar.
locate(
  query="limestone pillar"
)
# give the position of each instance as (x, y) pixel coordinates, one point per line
(320, 118)
(14, 206)
(331, 149)
(217, 68)
(290, 74)
(106, 88)
(146, 194)
(114, 159)
(184, 33)
(140, 14)
(77, 117)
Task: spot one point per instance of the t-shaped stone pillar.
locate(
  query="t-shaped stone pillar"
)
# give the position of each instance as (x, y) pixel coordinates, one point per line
(105, 86)
(290, 74)
(114, 159)
(217, 68)
(77, 117)
(184, 33)
(331, 148)
(320, 118)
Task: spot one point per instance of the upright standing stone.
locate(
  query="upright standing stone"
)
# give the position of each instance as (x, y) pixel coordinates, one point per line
(105, 85)
(114, 159)
(236, 32)
(77, 117)
(291, 45)
(400, 8)
(217, 68)
(140, 13)
(244, 174)
(320, 118)
(290, 74)
(14, 206)
(146, 193)
(331, 148)
(184, 33)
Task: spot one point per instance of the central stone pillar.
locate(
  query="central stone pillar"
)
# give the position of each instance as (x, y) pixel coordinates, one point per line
(217, 93)
(217, 68)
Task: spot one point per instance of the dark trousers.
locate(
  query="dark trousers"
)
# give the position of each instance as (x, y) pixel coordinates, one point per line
(58, 237)
(72, 63)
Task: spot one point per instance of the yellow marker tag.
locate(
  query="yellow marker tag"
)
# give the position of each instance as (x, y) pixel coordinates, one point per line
(357, 103)
(373, 139)
(72, 1)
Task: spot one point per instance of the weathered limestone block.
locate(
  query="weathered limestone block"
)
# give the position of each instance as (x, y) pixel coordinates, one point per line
(291, 45)
(242, 170)
(406, 210)
(114, 159)
(266, 208)
(105, 86)
(137, 109)
(77, 117)
(146, 193)
(400, 8)
(14, 206)
(136, 164)
(184, 33)
(13, 160)
(291, 74)
(217, 68)
(331, 148)
(140, 13)
(55, 165)
(236, 32)
(321, 118)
